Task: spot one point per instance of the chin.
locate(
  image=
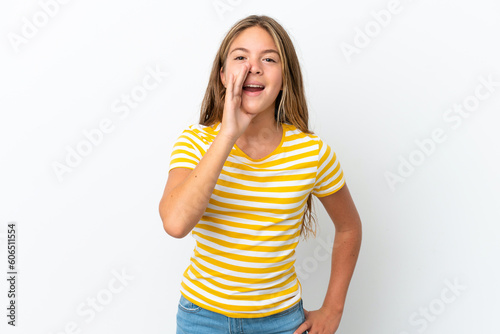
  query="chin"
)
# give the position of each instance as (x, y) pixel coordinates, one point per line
(251, 109)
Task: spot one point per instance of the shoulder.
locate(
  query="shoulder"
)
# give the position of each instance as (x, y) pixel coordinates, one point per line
(200, 133)
(297, 136)
(314, 142)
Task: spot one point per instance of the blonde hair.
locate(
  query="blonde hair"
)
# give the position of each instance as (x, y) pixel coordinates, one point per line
(290, 105)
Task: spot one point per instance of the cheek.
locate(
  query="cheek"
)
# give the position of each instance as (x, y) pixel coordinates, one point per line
(228, 70)
(279, 81)
(278, 78)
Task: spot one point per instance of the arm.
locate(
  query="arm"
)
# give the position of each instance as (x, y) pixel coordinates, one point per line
(187, 192)
(342, 211)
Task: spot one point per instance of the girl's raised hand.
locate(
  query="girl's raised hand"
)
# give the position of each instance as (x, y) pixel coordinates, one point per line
(234, 120)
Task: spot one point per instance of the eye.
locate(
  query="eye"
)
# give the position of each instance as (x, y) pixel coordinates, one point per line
(272, 60)
(238, 57)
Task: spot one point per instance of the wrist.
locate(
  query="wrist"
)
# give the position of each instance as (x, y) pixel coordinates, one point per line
(227, 137)
(333, 308)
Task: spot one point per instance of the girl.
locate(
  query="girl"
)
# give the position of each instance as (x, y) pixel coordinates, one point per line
(241, 181)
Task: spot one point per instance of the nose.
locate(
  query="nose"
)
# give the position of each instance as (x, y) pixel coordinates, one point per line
(254, 67)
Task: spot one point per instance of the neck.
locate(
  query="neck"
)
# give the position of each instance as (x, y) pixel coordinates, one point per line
(261, 129)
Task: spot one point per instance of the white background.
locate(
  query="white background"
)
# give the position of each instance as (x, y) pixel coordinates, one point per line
(76, 233)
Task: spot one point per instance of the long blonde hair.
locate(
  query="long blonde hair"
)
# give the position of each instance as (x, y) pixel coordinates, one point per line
(290, 105)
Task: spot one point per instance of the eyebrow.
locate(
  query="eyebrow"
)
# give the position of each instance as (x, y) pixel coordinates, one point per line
(264, 51)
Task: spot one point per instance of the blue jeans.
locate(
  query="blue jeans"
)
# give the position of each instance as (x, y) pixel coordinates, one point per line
(193, 319)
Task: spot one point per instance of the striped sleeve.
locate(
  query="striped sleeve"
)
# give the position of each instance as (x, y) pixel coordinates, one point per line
(186, 152)
(329, 176)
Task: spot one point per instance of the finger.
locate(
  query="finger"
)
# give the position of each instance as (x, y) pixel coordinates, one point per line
(229, 92)
(240, 79)
(302, 328)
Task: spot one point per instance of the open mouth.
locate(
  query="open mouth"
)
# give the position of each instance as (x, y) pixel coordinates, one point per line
(253, 88)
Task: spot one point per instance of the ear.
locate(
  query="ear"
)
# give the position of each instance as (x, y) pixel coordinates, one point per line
(222, 77)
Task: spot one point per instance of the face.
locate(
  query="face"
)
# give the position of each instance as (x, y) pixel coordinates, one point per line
(256, 47)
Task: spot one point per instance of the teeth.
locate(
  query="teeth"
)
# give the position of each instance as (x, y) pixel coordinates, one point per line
(257, 86)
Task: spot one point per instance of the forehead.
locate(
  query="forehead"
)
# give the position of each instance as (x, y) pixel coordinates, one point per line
(253, 38)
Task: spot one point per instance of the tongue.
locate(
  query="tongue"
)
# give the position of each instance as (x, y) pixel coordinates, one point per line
(253, 89)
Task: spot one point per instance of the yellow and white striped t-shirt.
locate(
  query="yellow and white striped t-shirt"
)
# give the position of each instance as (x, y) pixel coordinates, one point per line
(243, 261)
